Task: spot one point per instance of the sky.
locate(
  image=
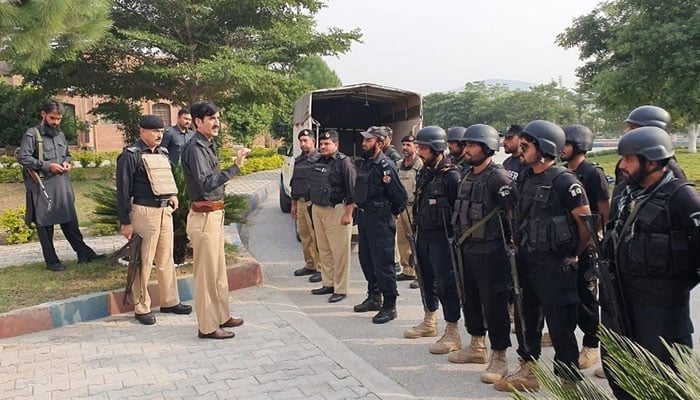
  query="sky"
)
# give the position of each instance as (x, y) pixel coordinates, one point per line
(439, 45)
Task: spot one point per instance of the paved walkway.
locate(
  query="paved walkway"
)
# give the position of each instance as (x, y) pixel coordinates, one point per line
(31, 252)
(279, 353)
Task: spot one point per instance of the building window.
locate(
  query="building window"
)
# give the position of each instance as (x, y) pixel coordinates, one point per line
(163, 111)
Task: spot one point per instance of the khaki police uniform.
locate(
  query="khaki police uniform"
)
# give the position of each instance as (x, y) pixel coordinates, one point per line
(407, 175)
(143, 191)
(300, 192)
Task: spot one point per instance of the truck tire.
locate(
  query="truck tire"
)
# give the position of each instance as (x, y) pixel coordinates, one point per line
(285, 201)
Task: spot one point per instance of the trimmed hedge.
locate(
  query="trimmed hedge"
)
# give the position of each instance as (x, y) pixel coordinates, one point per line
(14, 174)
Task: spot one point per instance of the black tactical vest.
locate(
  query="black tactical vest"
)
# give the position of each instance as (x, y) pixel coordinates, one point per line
(474, 203)
(322, 192)
(542, 224)
(432, 209)
(368, 185)
(301, 178)
(649, 247)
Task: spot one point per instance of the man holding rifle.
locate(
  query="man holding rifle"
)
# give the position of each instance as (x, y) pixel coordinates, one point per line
(44, 154)
(436, 192)
(653, 243)
(484, 191)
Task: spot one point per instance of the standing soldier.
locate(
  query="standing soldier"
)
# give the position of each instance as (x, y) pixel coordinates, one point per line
(436, 191)
(655, 242)
(579, 140)
(176, 136)
(332, 186)
(44, 154)
(511, 145)
(455, 144)
(146, 200)
(301, 204)
(379, 197)
(205, 222)
(549, 235)
(484, 196)
(408, 169)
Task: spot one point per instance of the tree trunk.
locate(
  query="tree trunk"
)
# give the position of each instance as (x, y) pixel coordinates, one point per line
(693, 131)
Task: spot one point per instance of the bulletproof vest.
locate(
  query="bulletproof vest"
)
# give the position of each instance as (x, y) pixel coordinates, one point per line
(543, 225)
(586, 173)
(301, 178)
(368, 186)
(432, 209)
(649, 246)
(407, 176)
(474, 203)
(322, 192)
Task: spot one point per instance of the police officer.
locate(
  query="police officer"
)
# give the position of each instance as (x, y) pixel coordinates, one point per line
(389, 149)
(379, 197)
(146, 199)
(549, 235)
(436, 191)
(655, 236)
(175, 137)
(484, 196)
(332, 187)
(301, 204)
(579, 140)
(205, 222)
(408, 169)
(455, 144)
(511, 145)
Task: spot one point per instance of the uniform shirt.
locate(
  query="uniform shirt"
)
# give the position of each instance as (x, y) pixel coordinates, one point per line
(594, 183)
(342, 175)
(174, 140)
(132, 178)
(392, 154)
(513, 165)
(384, 183)
(407, 174)
(203, 177)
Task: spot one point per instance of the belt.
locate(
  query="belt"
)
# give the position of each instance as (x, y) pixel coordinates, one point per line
(207, 205)
(374, 206)
(157, 203)
(303, 199)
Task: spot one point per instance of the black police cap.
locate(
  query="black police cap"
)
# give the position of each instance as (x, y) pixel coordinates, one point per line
(305, 132)
(332, 135)
(151, 122)
(408, 138)
(512, 130)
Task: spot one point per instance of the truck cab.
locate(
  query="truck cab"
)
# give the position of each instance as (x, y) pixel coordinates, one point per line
(350, 110)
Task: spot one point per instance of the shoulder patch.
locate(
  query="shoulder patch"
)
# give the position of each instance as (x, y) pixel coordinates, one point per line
(164, 150)
(695, 219)
(575, 189)
(132, 149)
(504, 191)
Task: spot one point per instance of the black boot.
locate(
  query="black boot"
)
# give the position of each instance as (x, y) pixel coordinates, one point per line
(373, 302)
(388, 311)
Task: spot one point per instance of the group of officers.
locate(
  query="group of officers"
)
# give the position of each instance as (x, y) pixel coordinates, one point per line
(478, 236)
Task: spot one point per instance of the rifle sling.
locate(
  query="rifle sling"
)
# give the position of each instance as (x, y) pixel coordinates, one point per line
(477, 226)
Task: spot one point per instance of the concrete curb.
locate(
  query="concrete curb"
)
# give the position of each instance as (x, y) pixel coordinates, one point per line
(245, 273)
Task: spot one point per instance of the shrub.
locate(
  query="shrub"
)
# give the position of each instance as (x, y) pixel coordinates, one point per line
(225, 155)
(257, 164)
(84, 157)
(12, 221)
(261, 152)
(11, 175)
(8, 159)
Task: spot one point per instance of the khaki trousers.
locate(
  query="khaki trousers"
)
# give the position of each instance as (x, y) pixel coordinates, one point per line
(206, 231)
(402, 242)
(155, 225)
(333, 241)
(306, 234)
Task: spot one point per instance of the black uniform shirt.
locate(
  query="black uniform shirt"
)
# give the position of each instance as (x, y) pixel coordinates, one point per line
(174, 140)
(132, 179)
(384, 183)
(594, 183)
(203, 177)
(342, 175)
(514, 167)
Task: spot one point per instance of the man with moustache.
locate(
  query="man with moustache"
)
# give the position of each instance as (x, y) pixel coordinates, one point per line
(456, 147)
(485, 198)
(146, 200)
(379, 197)
(176, 136)
(408, 170)
(654, 239)
(436, 191)
(44, 150)
(549, 236)
(511, 145)
(332, 188)
(579, 140)
(205, 222)
(301, 204)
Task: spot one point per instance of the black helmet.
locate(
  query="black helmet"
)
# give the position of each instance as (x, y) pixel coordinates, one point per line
(432, 136)
(580, 137)
(650, 116)
(548, 136)
(651, 142)
(455, 133)
(481, 133)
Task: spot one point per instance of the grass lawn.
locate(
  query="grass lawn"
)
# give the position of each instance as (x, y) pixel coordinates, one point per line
(690, 162)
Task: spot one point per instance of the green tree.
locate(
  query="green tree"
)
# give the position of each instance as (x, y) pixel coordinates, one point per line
(315, 71)
(19, 109)
(33, 31)
(642, 52)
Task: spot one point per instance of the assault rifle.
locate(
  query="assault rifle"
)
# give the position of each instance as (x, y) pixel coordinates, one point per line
(37, 179)
(413, 260)
(131, 253)
(517, 289)
(610, 282)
